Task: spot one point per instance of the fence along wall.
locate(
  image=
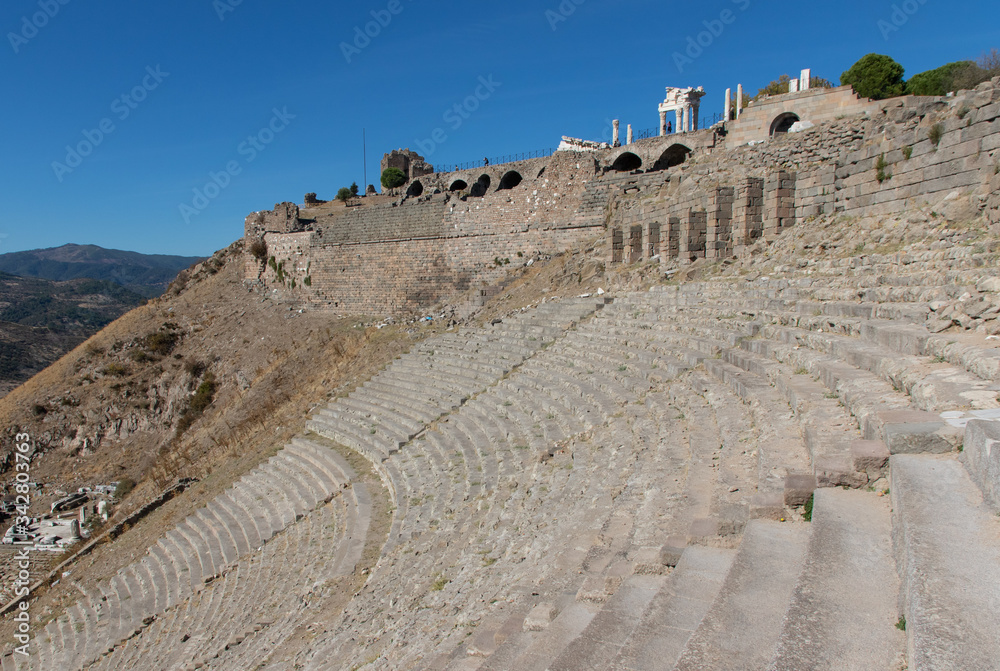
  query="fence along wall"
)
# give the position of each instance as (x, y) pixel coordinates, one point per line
(928, 149)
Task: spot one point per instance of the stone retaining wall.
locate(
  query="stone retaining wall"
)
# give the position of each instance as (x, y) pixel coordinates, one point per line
(928, 149)
(454, 231)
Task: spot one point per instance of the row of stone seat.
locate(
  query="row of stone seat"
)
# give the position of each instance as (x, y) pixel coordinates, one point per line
(875, 376)
(265, 501)
(496, 438)
(779, 569)
(259, 598)
(439, 376)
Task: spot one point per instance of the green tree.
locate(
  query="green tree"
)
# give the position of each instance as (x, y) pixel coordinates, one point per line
(782, 85)
(354, 189)
(778, 87)
(875, 76)
(393, 178)
(938, 82)
(984, 69)
(344, 194)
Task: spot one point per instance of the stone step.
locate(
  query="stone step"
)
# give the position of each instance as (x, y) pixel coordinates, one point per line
(883, 413)
(536, 650)
(829, 432)
(935, 387)
(676, 611)
(783, 459)
(949, 600)
(607, 633)
(743, 624)
(845, 607)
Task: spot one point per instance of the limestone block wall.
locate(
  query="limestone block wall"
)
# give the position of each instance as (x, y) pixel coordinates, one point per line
(931, 148)
(815, 105)
(748, 212)
(421, 249)
(964, 157)
(389, 277)
(719, 230)
(779, 203)
(284, 218)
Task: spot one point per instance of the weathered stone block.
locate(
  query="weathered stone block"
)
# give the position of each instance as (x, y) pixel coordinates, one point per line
(798, 489)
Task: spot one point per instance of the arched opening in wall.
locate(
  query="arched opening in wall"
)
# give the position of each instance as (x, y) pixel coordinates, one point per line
(459, 185)
(510, 180)
(627, 162)
(415, 189)
(783, 123)
(673, 156)
(481, 186)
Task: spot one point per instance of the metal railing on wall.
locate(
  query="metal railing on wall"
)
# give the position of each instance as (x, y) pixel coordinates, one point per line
(495, 160)
(645, 134)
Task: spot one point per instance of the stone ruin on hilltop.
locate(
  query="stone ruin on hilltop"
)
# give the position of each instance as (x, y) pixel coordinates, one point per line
(680, 197)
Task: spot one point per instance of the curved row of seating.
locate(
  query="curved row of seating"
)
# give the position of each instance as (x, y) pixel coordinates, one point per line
(256, 603)
(559, 479)
(199, 550)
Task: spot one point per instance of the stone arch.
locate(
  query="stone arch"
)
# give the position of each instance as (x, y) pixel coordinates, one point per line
(783, 122)
(481, 186)
(415, 189)
(459, 185)
(627, 162)
(510, 180)
(673, 156)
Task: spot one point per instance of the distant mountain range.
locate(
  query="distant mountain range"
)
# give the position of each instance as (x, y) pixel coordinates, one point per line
(51, 300)
(144, 274)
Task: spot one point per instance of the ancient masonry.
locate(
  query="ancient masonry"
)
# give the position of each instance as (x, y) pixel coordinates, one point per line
(679, 197)
(772, 473)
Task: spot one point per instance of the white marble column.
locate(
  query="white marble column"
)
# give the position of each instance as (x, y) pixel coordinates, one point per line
(739, 100)
(663, 123)
(678, 125)
(729, 104)
(805, 81)
(615, 126)
(793, 86)
(630, 136)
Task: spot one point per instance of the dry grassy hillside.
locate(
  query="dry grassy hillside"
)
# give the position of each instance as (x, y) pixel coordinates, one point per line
(208, 379)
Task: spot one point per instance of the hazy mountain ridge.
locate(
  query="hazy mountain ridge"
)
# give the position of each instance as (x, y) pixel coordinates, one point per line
(145, 274)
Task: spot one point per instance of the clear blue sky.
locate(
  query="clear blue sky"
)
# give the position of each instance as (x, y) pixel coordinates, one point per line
(220, 81)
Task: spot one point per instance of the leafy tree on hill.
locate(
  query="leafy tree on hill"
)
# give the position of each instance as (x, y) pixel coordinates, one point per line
(984, 69)
(393, 178)
(940, 81)
(344, 194)
(354, 189)
(875, 76)
(955, 76)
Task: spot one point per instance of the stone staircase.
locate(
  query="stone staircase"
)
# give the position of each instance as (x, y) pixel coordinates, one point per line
(615, 485)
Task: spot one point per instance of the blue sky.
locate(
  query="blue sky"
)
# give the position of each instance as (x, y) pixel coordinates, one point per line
(264, 96)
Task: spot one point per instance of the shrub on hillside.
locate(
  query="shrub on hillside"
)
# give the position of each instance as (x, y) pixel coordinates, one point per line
(258, 249)
(344, 194)
(875, 76)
